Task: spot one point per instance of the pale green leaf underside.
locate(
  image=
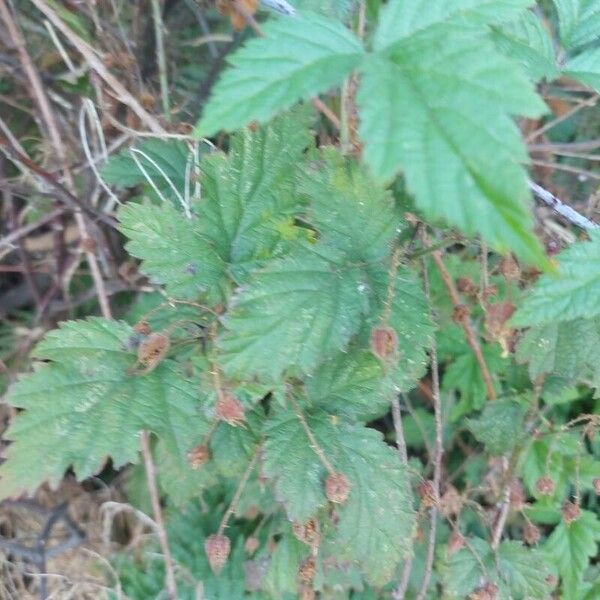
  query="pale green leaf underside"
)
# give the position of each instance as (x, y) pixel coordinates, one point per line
(579, 21)
(83, 407)
(375, 524)
(400, 19)
(586, 66)
(573, 293)
(171, 248)
(298, 58)
(440, 110)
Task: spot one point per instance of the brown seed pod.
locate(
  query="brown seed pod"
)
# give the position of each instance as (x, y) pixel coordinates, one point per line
(460, 313)
(152, 350)
(198, 456)
(307, 570)
(337, 488)
(217, 549)
(426, 492)
(531, 534)
(384, 342)
(496, 317)
(229, 409)
(465, 285)
(570, 512)
(545, 486)
(308, 532)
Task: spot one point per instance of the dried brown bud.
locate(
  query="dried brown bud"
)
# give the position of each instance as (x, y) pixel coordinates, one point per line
(384, 342)
(596, 484)
(152, 350)
(251, 545)
(570, 512)
(337, 488)
(451, 502)
(142, 327)
(496, 316)
(465, 285)
(545, 486)
(198, 456)
(217, 549)
(531, 534)
(426, 491)
(307, 532)
(510, 269)
(229, 409)
(460, 313)
(489, 591)
(455, 543)
(306, 572)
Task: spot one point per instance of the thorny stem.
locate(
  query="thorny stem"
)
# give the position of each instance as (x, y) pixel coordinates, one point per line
(463, 318)
(158, 517)
(238, 492)
(438, 447)
(311, 438)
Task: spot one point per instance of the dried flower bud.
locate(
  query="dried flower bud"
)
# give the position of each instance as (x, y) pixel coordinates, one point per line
(308, 532)
(510, 269)
(384, 342)
(596, 484)
(229, 409)
(198, 456)
(531, 534)
(217, 549)
(451, 502)
(570, 512)
(251, 545)
(142, 327)
(545, 486)
(152, 350)
(496, 316)
(489, 291)
(465, 285)
(337, 488)
(426, 492)
(306, 572)
(489, 591)
(455, 543)
(460, 313)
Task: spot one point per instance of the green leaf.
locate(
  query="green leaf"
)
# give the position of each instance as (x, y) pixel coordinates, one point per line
(351, 211)
(520, 573)
(296, 312)
(579, 21)
(499, 425)
(574, 293)
(172, 249)
(164, 162)
(84, 406)
(570, 547)
(375, 523)
(527, 41)
(401, 19)
(249, 196)
(586, 66)
(569, 350)
(350, 384)
(297, 59)
(439, 107)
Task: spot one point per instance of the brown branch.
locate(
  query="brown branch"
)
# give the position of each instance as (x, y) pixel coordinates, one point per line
(461, 316)
(161, 530)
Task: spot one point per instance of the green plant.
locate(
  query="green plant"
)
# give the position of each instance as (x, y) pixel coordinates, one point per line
(303, 298)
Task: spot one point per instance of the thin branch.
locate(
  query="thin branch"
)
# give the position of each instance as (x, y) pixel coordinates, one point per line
(566, 168)
(161, 530)
(438, 450)
(461, 314)
(161, 58)
(502, 516)
(558, 206)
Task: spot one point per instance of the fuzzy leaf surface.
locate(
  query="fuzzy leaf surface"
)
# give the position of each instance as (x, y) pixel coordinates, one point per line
(298, 58)
(498, 426)
(83, 406)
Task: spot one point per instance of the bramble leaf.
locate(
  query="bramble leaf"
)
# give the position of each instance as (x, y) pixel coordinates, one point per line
(579, 21)
(498, 426)
(263, 80)
(83, 406)
(586, 66)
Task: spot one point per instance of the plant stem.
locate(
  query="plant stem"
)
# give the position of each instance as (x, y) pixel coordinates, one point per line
(161, 57)
(161, 530)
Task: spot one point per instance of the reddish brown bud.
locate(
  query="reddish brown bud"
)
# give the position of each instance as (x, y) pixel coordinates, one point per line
(510, 269)
(251, 545)
(551, 581)
(455, 543)
(451, 502)
(465, 285)
(489, 292)
(198, 456)
(545, 486)
(142, 327)
(337, 488)
(384, 342)
(217, 549)
(496, 316)
(152, 350)
(531, 534)
(570, 512)
(229, 409)
(426, 492)
(306, 572)
(460, 313)
(307, 532)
